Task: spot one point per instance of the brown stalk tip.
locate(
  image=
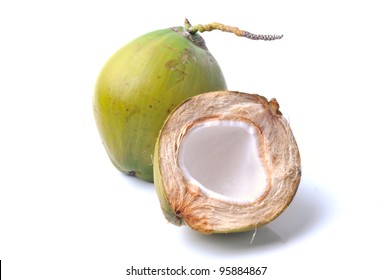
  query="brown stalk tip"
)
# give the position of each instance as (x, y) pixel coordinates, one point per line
(231, 29)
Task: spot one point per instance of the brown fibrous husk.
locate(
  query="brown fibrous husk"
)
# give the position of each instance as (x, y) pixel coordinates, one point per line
(183, 202)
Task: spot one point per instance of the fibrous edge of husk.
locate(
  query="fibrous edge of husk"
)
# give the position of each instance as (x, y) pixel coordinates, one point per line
(183, 202)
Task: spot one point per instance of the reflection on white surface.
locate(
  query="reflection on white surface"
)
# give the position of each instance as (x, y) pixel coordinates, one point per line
(309, 212)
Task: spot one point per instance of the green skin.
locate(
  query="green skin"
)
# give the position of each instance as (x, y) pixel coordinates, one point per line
(159, 188)
(141, 85)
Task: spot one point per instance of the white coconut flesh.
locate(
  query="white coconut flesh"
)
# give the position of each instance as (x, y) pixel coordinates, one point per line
(223, 159)
(225, 162)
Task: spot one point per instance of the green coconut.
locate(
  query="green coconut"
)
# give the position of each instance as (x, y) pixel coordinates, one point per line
(226, 162)
(141, 84)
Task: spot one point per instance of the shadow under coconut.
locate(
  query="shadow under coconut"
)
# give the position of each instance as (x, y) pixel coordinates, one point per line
(137, 182)
(308, 210)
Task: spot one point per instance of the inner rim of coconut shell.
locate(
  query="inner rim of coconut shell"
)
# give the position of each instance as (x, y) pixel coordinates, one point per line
(222, 158)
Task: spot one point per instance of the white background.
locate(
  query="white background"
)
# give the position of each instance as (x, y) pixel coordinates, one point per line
(67, 213)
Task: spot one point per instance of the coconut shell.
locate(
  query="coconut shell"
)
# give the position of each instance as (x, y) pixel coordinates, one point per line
(183, 202)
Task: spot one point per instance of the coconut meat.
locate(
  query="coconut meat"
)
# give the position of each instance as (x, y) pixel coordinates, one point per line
(222, 158)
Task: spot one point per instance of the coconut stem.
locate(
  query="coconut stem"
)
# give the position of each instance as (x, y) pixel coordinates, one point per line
(225, 28)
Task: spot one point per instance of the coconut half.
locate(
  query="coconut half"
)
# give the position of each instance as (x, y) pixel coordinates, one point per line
(225, 162)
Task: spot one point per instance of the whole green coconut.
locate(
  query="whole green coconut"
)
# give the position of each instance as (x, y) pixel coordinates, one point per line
(140, 86)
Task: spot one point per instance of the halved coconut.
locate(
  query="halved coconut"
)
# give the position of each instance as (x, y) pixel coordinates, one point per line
(225, 162)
